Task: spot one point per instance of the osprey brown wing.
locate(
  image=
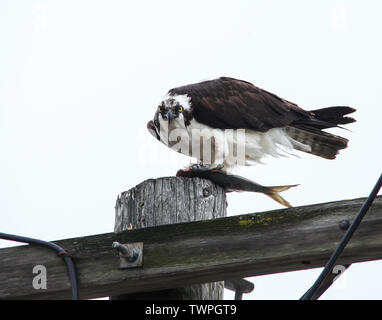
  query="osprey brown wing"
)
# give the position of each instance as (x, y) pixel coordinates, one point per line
(228, 103)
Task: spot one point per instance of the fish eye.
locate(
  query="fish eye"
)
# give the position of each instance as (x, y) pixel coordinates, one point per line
(180, 109)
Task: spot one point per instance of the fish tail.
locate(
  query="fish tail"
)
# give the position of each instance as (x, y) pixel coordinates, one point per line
(279, 199)
(273, 193)
(276, 189)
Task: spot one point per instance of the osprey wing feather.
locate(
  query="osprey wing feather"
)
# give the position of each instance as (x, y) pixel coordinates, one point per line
(228, 103)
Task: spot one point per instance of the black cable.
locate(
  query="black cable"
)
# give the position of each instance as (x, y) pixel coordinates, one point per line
(325, 285)
(60, 251)
(311, 293)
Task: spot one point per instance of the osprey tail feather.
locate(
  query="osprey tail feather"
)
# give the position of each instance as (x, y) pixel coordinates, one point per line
(309, 132)
(322, 144)
(334, 115)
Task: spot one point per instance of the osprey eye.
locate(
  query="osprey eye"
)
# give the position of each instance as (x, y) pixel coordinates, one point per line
(180, 109)
(160, 109)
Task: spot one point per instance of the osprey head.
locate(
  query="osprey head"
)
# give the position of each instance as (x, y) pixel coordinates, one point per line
(169, 109)
(173, 112)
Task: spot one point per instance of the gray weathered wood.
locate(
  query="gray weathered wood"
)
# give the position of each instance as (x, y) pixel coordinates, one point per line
(171, 200)
(196, 252)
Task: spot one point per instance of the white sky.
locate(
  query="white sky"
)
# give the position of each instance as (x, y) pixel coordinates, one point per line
(80, 79)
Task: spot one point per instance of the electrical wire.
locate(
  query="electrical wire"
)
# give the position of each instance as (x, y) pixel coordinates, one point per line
(311, 294)
(60, 251)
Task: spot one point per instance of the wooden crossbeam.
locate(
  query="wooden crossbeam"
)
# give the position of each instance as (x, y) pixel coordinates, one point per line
(197, 252)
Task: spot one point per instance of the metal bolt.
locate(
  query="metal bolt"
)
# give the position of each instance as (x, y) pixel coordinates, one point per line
(126, 252)
(206, 192)
(344, 224)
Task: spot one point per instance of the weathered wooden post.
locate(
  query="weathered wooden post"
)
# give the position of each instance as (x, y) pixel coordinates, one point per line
(166, 201)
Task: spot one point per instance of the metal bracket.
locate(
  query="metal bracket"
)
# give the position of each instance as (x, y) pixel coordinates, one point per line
(240, 286)
(130, 254)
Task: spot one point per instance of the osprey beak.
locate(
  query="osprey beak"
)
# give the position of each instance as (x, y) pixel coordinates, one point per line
(169, 115)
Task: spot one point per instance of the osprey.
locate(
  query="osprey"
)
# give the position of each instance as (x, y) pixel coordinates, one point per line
(227, 122)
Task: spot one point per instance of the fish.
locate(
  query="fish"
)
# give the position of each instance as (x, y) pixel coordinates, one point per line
(236, 183)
